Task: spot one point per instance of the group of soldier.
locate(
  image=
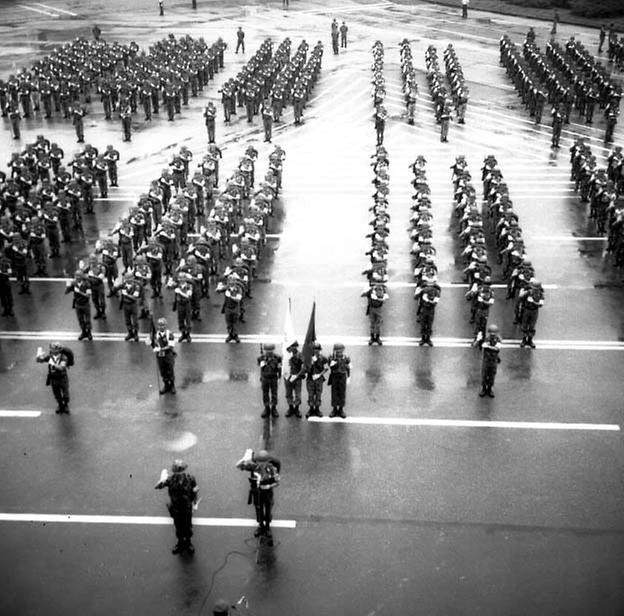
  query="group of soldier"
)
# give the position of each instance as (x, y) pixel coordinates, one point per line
(338, 32)
(567, 78)
(438, 91)
(122, 76)
(603, 189)
(379, 91)
(269, 81)
(408, 79)
(316, 369)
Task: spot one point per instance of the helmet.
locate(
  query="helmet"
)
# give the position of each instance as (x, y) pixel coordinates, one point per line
(269, 346)
(493, 329)
(55, 347)
(178, 466)
(317, 346)
(262, 456)
(162, 321)
(338, 346)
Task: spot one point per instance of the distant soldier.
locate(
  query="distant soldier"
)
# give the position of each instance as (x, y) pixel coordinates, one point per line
(131, 291)
(445, 118)
(59, 360)
(376, 295)
(6, 294)
(267, 120)
(343, 35)
(210, 113)
(77, 114)
(340, 371)
(162, 341)
(293, 380)
(270, 372)
(240, 40)
(161, 7)
(314, 382)
(125, 113)
(82, 303)
(182, 304)
(111, 156)
(532, 299)
(601, 37)
(429, 298)
(557, 123)
(464, 5)
(232, 307)
(183, 493)
(489, 364)
(14, 117)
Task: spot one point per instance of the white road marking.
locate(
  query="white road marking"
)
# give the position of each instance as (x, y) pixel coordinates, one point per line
(30, 8)
(135, 519)
(24, 414)
(467, 423)
(53, 8)
(354, 341)
(566, 238)
(343, 9)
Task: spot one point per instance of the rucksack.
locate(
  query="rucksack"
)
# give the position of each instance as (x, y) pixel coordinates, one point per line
(267, 475)
(70, 356)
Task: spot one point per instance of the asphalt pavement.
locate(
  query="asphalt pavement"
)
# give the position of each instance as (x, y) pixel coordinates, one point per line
(427, 500)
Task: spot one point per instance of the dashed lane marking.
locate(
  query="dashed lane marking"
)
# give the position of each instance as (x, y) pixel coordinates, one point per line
(22, 414)
(467, 423)
(53, 8)
(353, 341)
(31, 8)
(142, 520)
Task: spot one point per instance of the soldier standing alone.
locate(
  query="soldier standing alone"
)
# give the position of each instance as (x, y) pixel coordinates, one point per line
(270, 373)
(59, 360)
(163, 345)
(340, 371)
(489, 364)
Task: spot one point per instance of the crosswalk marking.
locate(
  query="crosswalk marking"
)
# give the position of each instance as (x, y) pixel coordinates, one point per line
(468, 423)
(143, 520)
(22, 414)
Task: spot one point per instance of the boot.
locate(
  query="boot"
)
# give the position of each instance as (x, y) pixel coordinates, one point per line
(378, 339)
(83, 335)
(165, 389)
(266, 412)
(372, 340)
(489, 392)
(483, 392)
(422, 341)
(129, 336)
(317, 410)
(334, 412)
(530, 342)
(296, 411)
(177, 548)
(524, 342)
(274, 412)
(341, 412)
(290, 411)
(89, 335)
(428, 341)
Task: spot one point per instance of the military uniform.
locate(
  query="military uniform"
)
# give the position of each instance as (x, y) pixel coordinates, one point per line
(340, 371)
(532, 300)
(182, 304)
(81, 303)
(58, 377)
(163, 345)
(270, 373)
(315, 380)
(489, 364)
(131, 292)
(376, 296)
(183, 492)
(6, 294)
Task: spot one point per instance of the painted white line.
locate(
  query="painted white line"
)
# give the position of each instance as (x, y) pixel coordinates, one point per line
(343, 9)
(354, 341)
(135, 519)
(20, 414)
(53, 8)
(467, 423)
(30, 8)
(566, 238)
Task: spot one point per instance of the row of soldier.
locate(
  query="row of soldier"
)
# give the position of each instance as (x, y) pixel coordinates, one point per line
(376, 292)
(379, 91)
(603, 189)
(428, 291)
(438, 91)
(408, 79)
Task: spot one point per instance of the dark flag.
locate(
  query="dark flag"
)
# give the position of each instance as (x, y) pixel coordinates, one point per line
(310, 339)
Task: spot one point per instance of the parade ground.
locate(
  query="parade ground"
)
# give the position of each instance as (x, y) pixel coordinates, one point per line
(427, 499)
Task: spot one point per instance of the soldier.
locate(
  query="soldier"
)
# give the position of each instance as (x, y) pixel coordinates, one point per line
(182, 304)
(445, 118)
(96, 274)
(340, 371)
(36, 242)
(267, 120)
(183, 495)
(161, 7)
(125, 113)
(293, 380)
(162, 342)
(14, 118)
(59, 360)
(232, 306)
(489, 364)
(429, 298)
(131, 291)
(314, 382)
(611, 122)
(240, 40)
(557, 123)
(532, 298)
(210, 113)
(601, 36)
(6, 294)
(376, 295)
(334, 36)
(18, 253)
(81, 303)
(77, 114)
(101, 167)
(111, 156)
(270, 372)
(483, 298)
(343, 35)
(380, 122)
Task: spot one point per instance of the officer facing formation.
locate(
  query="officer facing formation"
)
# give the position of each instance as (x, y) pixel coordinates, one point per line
(340, 372)
(489, 364)
(59, 360)
(270, 372)
(183, 495)
(162, 342)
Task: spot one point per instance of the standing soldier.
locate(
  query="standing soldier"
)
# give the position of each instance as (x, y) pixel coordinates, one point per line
(182, 304)
(101, 167)
(161, 7)
(380, 122)
(14, 116)
(96, 274)
(464, 4)
(270, 372)
(210, 113)
(240, 39)
(125, 113)
(445, 118)
(232, 306)
(81, 303)
(376, 295)
(489, 364)
(6, 294)
(557, 123)
(532, 298)
(77, 114)
(111, 156)
(343, 35)
(340, 371)
(602, 35)
(36, 242)
(429, 298)
(59, 360)
(314, 382)
(183, 492)
(163, 344)
(130, 299)
(334, 36)
(18, 253)
(292, 380)
(267, 119)
(611, 122)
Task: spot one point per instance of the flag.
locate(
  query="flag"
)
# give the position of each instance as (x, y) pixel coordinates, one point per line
(310, 339)
(289, 330)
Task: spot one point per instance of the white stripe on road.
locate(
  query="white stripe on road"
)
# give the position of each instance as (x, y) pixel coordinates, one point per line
(20, 414)
(468, 423)
(355, 341)
(343, 9)
(136, 519)
(30, 8)
(53, 8)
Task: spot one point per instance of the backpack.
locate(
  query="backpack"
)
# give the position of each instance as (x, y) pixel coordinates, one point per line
(70, 356)
(267, 476)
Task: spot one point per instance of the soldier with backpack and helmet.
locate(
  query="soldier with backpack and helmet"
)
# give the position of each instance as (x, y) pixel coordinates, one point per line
(264, 476)
(59, 360)
(340, 371)
(490, 346)
(270, 372)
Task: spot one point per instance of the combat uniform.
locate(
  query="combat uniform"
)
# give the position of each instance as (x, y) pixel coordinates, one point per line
(340, 371)
(58, 377)
(270, 373)
(314, 382)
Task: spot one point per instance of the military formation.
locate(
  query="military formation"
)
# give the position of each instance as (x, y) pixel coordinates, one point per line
(408, 80)
(603, 190)
(566, 77)
(438, 91)
(379, 91)
(66, 83)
